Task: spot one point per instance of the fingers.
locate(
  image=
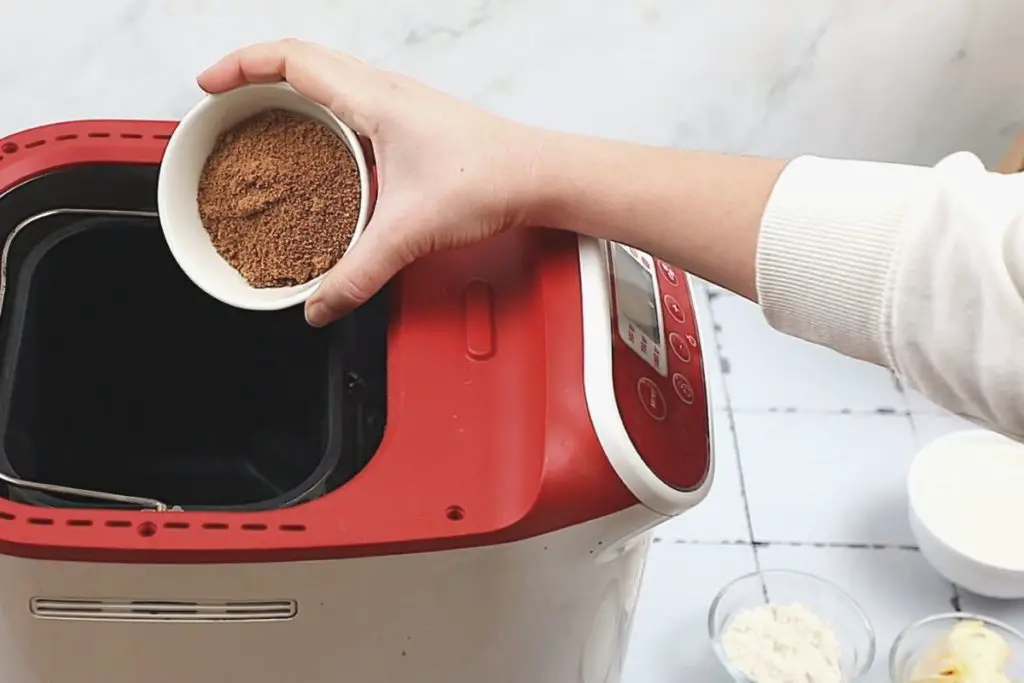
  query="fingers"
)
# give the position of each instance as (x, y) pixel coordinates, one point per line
(363, 271)
(332, 79)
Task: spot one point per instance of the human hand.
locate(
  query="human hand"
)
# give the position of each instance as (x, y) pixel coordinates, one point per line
(448, 174)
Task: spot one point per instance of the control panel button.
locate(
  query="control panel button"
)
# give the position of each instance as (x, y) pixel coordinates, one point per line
(650, 396)
(679, 347)
(674, 309)
(691, 340)
(670, 273)
(683, 389)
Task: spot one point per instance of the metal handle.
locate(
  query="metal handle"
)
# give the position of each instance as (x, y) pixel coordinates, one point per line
(145, 503)
(156, 505)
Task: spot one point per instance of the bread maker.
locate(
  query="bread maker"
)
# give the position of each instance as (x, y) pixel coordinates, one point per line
(454, 484)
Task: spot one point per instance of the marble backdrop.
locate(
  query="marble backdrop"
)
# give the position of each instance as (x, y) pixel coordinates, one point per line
(906, 80)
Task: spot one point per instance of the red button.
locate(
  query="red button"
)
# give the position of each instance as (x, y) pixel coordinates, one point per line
(691, 340)
(669, 272)
(683, 389)
(679, 347)
(674, 309)
(650, 396)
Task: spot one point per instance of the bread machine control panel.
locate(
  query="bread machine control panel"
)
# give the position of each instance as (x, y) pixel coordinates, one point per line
(657, 367)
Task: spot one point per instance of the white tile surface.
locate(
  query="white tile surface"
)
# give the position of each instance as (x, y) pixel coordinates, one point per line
(670, 635)
(894, 587)
(709, 345)
(768, 370)
(722, 515)
(1010, 611)
(930, 426)
(826, 478)
(919, 404)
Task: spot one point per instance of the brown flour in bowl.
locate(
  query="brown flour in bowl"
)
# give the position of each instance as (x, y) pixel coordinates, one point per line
(279, 197)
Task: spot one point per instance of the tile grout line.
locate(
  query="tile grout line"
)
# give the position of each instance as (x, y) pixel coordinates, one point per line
(716, 338)
(880, 412)
(955, 600)
(788, 544)
(792, 410)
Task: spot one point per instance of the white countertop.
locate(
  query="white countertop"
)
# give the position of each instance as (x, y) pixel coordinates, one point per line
(812, 452)
(812, 448)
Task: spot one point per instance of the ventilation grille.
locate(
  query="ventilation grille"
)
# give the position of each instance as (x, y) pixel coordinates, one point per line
(162, 610)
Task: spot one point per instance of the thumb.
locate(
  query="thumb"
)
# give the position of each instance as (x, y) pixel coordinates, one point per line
(374, 259)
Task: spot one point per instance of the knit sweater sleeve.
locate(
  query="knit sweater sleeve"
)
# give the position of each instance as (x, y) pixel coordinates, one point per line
(917, 269)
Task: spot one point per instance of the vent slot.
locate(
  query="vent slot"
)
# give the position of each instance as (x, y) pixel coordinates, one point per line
(163, 610)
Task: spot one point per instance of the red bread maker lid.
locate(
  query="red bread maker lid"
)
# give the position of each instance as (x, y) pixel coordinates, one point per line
(488, 438)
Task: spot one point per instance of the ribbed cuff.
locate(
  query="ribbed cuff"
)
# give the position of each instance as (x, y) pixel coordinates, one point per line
(827, 251)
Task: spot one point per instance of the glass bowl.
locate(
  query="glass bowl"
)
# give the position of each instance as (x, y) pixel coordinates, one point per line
(915, 639)
(782, 587)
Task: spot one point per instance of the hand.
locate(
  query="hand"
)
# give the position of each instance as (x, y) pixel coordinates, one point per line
(448, 174)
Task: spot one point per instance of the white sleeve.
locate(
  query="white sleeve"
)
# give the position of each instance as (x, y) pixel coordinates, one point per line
(918, 269)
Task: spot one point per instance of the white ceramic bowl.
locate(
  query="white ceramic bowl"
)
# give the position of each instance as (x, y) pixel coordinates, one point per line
(955, 562)
(189, 147)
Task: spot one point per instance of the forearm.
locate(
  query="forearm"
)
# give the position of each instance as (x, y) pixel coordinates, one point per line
(699, 211)
(917, 269)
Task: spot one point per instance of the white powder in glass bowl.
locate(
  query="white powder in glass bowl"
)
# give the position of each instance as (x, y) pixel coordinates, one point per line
(783, 644)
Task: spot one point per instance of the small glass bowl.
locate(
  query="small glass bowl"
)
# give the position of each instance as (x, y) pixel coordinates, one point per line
(916, 638)
(782, 587)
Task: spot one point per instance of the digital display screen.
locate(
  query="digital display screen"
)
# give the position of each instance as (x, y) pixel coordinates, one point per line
(635, 294)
